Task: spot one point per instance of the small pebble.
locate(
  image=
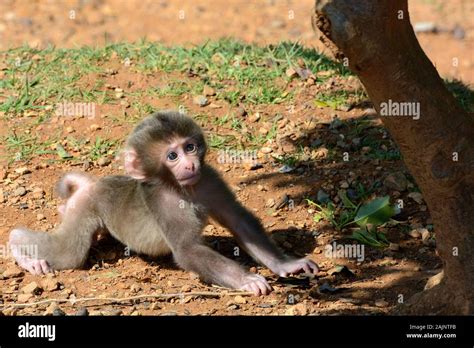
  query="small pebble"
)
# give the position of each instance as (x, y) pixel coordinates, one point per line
(381, 303)
(22, 170)
(58, 312)
(200, 100)
(82, 312)
(19, 192)
(104, 161)
(241, 112)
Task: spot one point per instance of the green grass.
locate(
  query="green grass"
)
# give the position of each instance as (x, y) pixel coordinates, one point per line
(22, 147)
(102, 147)
(239, 72)
(257, 139)
(215, 141)
(172, 88)
(339, 99)
(36, 77)
(224, 120)
(392, 152)
(141, 109)
(288, 160)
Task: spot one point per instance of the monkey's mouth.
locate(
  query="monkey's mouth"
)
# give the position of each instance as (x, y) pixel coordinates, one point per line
(189, 180)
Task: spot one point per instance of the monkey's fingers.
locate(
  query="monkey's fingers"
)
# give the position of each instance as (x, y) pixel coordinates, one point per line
(45, 267)
(308, 266)
(297, 266)
(311, 267)
(257, 284)
(27, 264)
(36, 264)
(36, 267)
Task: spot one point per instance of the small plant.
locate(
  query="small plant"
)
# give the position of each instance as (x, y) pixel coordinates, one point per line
(222, 121)
(257, 139)
(22, 147)
(369, 235)
(102, 147)
(287, 160)
(364, 193)
(368, 217)
(218, 141)
(339, 218)
(339, 99)
(335, 101)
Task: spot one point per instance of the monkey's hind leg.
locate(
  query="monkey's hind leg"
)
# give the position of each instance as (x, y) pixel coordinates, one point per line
(23, 250)
(68, 246)
(42, 252)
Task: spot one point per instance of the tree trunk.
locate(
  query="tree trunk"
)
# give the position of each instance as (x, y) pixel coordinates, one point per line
(438, 148)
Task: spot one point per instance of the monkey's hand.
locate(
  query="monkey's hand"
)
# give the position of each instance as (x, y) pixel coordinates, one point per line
(295, 266)
(256, 283)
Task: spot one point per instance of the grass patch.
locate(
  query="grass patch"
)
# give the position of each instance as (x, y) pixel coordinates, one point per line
(380, 149)
(215, 141)
(239, 72)
(22, 147)
(340, 99)
(35, 77)
(102, 147)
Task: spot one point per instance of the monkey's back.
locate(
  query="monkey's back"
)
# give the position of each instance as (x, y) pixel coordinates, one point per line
(125, 213)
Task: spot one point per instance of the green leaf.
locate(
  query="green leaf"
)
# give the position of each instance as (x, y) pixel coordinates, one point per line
(370, 237)
(375, 212)
(62, 152)
(345, 200)
(321, 103)
(381, 236)
(317, 217)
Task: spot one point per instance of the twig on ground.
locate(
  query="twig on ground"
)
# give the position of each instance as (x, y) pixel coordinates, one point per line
(130, 298)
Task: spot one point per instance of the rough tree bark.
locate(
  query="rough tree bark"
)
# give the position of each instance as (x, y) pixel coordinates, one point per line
(377, 38)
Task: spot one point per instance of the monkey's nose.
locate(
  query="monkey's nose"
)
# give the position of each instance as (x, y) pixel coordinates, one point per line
(191, 167)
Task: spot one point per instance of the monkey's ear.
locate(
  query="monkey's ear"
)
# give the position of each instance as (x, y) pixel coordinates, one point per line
(132, 164)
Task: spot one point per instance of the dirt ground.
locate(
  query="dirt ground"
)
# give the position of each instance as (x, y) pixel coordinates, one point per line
(373, 286)
(181, 21)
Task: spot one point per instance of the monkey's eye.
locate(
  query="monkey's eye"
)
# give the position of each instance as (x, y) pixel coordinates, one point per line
(172, 156)
(190, 147)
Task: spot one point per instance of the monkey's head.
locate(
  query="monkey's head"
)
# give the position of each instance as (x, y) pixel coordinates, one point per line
(166, 145)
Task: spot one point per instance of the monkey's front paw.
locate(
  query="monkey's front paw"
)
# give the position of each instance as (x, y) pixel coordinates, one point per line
(296, 266)
(256, 284)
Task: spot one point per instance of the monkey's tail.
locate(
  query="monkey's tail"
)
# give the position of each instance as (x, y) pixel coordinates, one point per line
(71, 182)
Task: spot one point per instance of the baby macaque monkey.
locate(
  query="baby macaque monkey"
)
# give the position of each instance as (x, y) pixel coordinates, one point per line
(160, 207)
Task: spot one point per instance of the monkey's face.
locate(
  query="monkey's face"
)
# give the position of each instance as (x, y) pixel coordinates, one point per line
(183, 159)
(168, 146)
